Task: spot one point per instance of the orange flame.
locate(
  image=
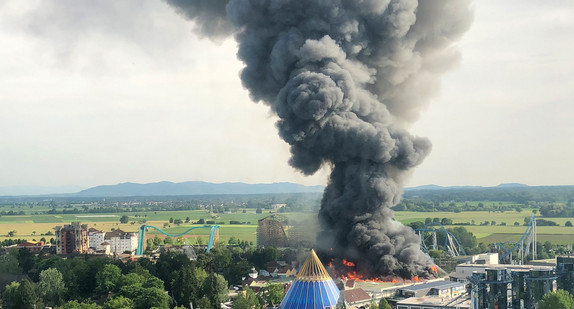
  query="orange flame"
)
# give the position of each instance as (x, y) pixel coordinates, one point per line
(347, 263)
(434, 268)
(351, 274)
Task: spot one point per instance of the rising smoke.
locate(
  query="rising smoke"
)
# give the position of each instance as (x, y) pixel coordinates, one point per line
(346, 77)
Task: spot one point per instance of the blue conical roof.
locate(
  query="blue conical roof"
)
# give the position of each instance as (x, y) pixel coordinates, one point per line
(312, 289)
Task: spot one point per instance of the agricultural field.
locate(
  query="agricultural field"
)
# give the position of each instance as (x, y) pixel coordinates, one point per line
(31, 226)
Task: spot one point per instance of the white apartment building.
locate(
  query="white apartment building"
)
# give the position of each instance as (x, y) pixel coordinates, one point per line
(121, 241)
(96, 238)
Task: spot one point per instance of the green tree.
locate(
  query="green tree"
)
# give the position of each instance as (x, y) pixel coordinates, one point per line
(9, 263)
(51, 286)
(203, 303)
(150, 246)
(77, 305)
(119, 302)
(10, 297)
(246, 300)
(568, 223)
(215, 288)
(124, 219)
(383, 304)
(261, 256)
(157, 241)
(25, 260)
(107, 278)
(187, 286)
(374, 305)
(557, 300)
(131, 279)
(273, 294)
(466, 239)
(237, 271)
(151, 297)
(28, 296)
(446, 221)
(145, 298)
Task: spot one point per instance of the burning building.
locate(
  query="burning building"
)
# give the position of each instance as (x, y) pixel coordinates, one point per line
(345, 79)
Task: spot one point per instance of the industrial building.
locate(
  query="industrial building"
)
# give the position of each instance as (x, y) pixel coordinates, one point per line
(565, 272)
(508, 286)
(72, 238)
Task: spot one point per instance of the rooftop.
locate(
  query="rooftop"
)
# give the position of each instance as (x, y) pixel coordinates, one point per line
(313, 269)
(436, 302)
(356, 295)
(312, 288)
(437, 284)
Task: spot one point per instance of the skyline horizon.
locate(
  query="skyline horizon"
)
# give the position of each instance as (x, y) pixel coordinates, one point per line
(39, 190)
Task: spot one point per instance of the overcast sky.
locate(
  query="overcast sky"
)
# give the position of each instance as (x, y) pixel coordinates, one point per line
(104, 92)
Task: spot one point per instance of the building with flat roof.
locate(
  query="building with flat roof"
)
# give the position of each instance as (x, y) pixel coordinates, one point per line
(121, 241)
(445, 288)
(433, 302)
(72, 238)
(96, 239)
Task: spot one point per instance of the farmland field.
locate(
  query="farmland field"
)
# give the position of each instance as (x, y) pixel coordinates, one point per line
(32, 226)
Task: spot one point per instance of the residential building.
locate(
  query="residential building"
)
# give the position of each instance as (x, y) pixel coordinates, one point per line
(95, 239)
(72, 238)
(121, 241)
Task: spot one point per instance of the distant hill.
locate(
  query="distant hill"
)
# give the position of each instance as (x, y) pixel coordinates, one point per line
(512, 185)
(37, 190)
(166, 188)
(437, 187)
(512, 192)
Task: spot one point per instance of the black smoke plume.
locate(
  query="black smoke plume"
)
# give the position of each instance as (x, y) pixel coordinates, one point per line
(345, 77)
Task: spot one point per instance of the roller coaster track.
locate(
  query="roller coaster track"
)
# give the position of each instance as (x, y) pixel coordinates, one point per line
(451, 244)
(143, 228)
(525, 245)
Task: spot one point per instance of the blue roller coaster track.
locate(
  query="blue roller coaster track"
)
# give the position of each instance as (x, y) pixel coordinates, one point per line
(143, 228)
(525, 245)
(451, 244)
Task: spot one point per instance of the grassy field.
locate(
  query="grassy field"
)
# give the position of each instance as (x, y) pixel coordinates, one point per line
(32, 226)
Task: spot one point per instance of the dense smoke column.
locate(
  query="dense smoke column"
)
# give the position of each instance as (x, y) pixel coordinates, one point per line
(345, 78)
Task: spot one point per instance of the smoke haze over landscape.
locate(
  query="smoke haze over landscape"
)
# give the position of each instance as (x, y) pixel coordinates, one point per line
(345, 79)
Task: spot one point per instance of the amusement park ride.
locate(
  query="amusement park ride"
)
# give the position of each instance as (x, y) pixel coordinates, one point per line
(524, 246)
(143, 228)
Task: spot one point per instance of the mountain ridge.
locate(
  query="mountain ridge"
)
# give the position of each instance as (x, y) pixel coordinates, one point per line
(194, 188)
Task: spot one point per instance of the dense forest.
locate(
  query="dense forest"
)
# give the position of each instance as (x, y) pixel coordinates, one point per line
(91, 282)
